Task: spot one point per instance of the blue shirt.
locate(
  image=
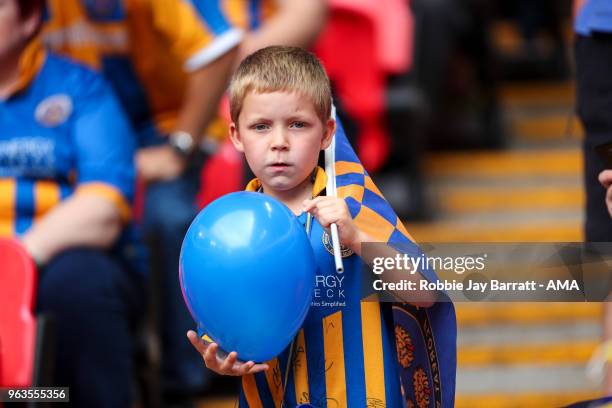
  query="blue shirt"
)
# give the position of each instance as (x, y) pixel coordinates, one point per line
(63, 132)
(595, 16)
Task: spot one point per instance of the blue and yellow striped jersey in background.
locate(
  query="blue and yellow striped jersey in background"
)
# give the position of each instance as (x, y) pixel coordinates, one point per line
(145, 48)
(62, 131)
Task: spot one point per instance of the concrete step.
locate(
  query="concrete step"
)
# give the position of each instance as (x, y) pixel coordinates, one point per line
(487, 314)
(527, 163)
(522, 400)
(559, 353)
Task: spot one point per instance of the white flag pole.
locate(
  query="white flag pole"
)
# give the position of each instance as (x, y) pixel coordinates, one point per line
(330, 170)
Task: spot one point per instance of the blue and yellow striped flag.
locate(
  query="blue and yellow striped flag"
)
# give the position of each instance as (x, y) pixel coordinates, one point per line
(425, 337)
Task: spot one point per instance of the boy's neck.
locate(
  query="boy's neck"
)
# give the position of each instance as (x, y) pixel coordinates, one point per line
(294, 198)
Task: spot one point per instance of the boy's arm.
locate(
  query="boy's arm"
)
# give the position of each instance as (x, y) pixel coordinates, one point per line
(328, 210)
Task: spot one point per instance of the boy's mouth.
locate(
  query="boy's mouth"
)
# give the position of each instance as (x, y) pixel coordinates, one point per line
(279, 165)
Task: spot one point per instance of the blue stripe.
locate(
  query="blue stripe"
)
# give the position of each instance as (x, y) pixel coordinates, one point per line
(354, 370)
(24, 205)
(350, 178)
(379, 205)
(210, 11)
(264, 390)
(353, 205)
(315, 358)
(242, 402)
(393, 394)
(255, 13)
(288, 388)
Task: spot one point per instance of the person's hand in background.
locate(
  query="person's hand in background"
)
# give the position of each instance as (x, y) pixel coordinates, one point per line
(605, 178)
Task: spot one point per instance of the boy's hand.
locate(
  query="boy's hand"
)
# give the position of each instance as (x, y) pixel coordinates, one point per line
(328, 210)
(605, 178)
(229, 366)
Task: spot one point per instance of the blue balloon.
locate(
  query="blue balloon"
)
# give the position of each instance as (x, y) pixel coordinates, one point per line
(247, 274)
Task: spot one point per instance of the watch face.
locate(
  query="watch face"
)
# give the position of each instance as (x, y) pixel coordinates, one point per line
(182, 142)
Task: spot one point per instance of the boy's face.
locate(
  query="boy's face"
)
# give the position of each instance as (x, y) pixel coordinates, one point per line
(281, 137)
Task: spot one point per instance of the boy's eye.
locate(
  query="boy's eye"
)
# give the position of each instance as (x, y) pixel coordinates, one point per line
(298, 125)
(260, 127)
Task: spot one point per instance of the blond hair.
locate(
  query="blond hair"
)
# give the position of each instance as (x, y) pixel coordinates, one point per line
(280, 68)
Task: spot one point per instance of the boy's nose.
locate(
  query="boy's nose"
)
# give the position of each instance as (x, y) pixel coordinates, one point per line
(280, 140)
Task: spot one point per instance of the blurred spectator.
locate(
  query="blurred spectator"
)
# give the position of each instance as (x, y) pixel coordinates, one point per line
(541, 51)
(169, 61)
(66, 180)
(594, 104)
(593, 53)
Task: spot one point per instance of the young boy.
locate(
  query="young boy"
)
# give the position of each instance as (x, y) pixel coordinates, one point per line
(345, 353)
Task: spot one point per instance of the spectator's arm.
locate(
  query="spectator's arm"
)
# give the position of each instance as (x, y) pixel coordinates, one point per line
(297, 23)
(204, 89)
(204, 40)
(81, 220)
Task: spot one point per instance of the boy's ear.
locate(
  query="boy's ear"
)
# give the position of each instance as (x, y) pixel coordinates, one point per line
(330, 130)
(235, 137)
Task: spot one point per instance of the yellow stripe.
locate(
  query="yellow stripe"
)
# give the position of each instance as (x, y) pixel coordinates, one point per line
(300, 370)
(571, 352)
(344, 167)
(320, 181)
(352, 190)
(373, 352)
(369, 184)
(335, 380)
(46, 196)
(370, 222)
(110, 193)
(251, 394)
(7, 207)
(275, 381)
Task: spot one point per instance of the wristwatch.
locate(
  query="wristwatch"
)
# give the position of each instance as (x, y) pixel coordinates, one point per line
(182, 143)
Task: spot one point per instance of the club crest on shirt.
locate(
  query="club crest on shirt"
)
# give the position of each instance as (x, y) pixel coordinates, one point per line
(53, 110)
(344, 251)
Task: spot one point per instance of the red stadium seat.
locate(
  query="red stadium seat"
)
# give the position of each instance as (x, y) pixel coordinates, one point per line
(221, 174)
(17, 322)
(365, 41)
